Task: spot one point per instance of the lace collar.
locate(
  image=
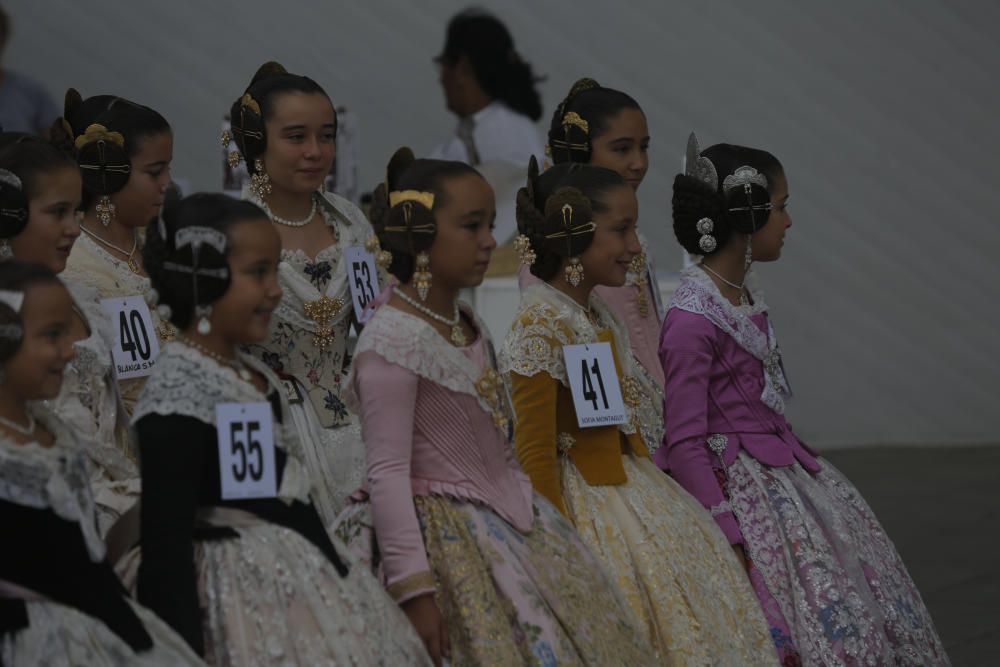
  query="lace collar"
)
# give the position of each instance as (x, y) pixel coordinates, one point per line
(547, 320)
(408, 341)
(698, 294)
(188, 383)
(54, 478)
(102, 261)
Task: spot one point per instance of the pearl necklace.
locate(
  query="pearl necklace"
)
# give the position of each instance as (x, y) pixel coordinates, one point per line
(17, 428)
(275, 218)
(133, 265)
(457, 335)
(743, 296)
(235, 364)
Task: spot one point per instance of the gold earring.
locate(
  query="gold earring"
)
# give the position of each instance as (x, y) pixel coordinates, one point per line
(260, 182)
(422, 276)
(574, 271)
(106, 211)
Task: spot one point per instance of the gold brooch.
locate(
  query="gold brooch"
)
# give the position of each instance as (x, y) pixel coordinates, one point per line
(489, 386)
(321, 312)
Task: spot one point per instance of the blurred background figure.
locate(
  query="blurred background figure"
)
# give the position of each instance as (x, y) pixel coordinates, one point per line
(492, 91)
(25, 106)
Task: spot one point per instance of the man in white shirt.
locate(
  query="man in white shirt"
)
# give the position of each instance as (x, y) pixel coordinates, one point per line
(492, 91)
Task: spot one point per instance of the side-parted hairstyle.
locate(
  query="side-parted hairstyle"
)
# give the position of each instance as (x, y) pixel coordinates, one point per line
(555, 211)
(499, 69)
(186, 251)
(582, 116)
(105, 132)
(17, 277)
(730, 186)
(399, 211)
(23, 159)
(250, 113)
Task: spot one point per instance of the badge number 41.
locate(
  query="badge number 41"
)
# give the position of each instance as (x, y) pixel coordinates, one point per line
(246, 451)
(593, 381)
(135, 346)
(362, 278)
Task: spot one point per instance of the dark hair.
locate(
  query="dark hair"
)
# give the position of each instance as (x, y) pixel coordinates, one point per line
(542, 212)
(17, 276)
(499, 69)
(26, 157)
(249, 115)
(596, 106)
(743, 209)
(409, 227)
(167, 265)
(105, 164)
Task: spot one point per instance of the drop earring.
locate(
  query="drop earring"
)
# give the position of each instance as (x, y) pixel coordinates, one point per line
(203, 313)
(260, 182)
(422, 275)
(106, 211)
(574, 271)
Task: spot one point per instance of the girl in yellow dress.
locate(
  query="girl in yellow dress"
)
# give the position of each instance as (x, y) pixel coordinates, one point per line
(674, 566)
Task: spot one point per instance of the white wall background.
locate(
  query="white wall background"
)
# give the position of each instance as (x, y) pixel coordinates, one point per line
(884, 113)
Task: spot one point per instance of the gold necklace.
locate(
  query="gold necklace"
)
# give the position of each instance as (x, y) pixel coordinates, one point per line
(133, 265)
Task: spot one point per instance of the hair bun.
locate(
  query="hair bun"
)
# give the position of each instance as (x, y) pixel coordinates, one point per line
(269, 69)
(104, 162)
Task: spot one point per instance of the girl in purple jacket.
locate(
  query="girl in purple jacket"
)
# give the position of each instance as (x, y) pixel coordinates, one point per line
(828, 577)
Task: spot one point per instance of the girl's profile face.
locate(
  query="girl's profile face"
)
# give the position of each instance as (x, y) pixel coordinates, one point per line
(35, 372)
(243, 314)
(624, 146)
(142, 197)
(767, 243)
(607, 259)
(301, 141)
(52, 224)
(464, 239)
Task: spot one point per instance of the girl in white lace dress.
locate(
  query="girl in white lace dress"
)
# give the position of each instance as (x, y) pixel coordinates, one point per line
(124, 150)
(285, 127)
(60, 601)
(40, 189)
(233, 553)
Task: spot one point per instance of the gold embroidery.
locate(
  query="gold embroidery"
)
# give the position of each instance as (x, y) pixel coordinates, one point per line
(489, 385)
(639, 269)
(321, 312)
(415, 582)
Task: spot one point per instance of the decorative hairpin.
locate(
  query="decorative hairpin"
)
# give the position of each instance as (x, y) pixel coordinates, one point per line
(700, 167)
(745, 175)
(707, 242)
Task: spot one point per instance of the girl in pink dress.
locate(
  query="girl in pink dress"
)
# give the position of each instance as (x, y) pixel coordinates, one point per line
(607, 128)
(488, 572)
(828, 577)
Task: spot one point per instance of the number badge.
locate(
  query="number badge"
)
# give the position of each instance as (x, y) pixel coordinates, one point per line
(593, 381)
(135, 347)
(246, 450)
(363, 280)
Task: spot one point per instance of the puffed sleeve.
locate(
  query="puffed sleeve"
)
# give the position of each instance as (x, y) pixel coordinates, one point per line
(388, 395)
(687, 351)
(534, 401)
(171, 455)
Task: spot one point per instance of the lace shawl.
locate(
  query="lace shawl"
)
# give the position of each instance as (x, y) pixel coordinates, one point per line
(547, 320)
(188, 383)
(698, 294)
(410, 342)
(54, 478)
